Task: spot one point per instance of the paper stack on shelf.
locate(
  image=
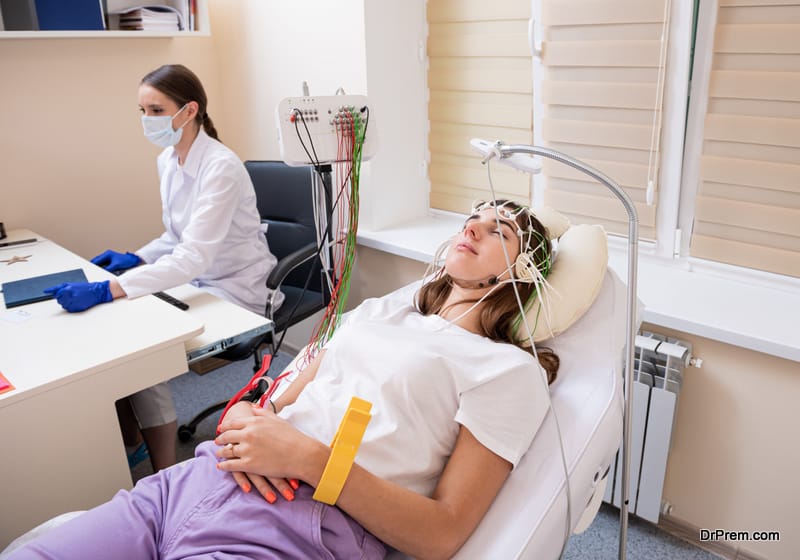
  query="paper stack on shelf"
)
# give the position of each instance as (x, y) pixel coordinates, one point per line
(155, 15)
(151, 18)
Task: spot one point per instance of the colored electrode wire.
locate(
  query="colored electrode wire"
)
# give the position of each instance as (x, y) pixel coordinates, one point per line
(296, 116)
(351, 132)
(254, 386)
(351, 129)
(350, 140)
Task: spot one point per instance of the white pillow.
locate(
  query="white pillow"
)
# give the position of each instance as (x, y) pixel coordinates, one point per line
(555, 222)
(579, 267)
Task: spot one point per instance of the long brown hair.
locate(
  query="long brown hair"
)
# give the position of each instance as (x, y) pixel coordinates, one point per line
(182, 86)
(497, 316)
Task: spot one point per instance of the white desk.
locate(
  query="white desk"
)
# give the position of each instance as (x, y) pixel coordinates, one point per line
(226, 324)
(61, 445)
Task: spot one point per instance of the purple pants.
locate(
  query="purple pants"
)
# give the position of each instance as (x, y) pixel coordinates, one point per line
(193, 510)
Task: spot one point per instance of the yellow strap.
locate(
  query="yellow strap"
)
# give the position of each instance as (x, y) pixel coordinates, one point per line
(343, 451)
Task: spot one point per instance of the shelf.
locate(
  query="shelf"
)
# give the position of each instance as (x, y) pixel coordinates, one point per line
(113, 34)
(202, 23)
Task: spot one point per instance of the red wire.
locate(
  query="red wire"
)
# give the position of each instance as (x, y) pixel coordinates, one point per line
(346, 134)
(265, 397)
(252, 384)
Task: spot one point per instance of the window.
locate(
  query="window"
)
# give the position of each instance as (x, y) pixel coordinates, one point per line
(747, 203)
(480, 83)
(602, 71)
(713, 171)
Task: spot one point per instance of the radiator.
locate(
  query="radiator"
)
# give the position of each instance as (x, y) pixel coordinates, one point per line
(658, 375)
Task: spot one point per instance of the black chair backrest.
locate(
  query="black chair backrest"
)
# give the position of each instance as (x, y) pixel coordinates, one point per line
(285, 202)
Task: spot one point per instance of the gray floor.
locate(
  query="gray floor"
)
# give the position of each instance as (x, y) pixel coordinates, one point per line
(645, 541)
(600, 541)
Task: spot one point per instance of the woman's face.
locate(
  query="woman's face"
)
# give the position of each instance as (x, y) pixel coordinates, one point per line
(476, 254)
(153, 103)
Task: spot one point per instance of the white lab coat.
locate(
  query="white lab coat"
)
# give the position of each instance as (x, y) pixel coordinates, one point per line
(213, 236)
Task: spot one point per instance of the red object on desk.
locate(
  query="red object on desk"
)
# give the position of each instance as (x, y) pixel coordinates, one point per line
(5, 384)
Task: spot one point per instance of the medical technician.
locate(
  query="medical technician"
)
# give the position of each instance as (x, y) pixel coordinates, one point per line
(213, 236)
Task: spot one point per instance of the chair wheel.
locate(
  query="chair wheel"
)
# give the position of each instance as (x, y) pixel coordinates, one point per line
(185, 433)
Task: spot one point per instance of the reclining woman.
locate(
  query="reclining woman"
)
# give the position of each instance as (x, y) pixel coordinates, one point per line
(456, 403)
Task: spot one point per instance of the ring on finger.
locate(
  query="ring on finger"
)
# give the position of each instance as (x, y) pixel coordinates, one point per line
(229, 447)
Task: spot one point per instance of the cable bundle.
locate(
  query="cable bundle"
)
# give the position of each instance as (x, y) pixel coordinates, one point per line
(351, 127)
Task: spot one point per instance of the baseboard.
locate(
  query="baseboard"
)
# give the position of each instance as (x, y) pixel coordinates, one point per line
(691, 534)
(201, 367)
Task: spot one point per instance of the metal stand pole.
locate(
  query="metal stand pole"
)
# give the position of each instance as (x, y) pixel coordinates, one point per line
(505, 151)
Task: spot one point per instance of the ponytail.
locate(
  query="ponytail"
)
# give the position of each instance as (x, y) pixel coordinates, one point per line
(208, 126)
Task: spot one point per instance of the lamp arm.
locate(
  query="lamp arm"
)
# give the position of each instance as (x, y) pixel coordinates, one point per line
(502, 151)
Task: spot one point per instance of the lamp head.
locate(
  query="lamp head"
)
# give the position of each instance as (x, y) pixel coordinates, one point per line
(500, 151)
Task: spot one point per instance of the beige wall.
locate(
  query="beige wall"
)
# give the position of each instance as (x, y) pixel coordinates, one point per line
(76, 168)
(734, 459)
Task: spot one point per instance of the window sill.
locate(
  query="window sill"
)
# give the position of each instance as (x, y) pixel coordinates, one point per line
(682, 296)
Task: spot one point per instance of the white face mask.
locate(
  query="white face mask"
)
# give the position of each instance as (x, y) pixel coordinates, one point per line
(159, 130)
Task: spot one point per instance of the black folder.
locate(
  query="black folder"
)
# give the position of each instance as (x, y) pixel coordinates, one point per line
(31, 290)
(19, 15)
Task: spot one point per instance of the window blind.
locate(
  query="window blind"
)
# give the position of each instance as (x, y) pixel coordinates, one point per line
(480, 84)
(602, 104)
(747, 209)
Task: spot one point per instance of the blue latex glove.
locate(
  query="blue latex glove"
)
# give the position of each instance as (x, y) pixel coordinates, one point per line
(113, 261)
(79, 296)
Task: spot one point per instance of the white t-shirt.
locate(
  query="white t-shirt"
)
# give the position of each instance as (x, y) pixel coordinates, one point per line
(423, 377)
(213, 236)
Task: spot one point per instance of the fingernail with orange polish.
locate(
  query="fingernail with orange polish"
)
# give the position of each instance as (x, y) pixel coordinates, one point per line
(246, 488)
(288, 494)
(294, 483)
(270, 497)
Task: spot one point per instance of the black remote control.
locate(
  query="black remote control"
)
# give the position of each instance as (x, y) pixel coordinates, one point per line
(172, 300)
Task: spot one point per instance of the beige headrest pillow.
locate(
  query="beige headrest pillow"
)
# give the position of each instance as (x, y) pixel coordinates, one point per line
(555, 222)
(580, 264)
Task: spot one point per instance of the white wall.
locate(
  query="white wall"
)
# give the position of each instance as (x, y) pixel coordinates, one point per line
(396, 187)
(273, 47)
(266, 49)
(264, 52)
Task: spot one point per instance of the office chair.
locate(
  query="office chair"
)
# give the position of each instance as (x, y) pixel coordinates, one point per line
(285, 201)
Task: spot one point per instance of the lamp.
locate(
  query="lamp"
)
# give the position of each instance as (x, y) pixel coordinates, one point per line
(519, 157)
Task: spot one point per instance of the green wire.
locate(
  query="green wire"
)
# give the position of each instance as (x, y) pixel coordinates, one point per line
(332, 320)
